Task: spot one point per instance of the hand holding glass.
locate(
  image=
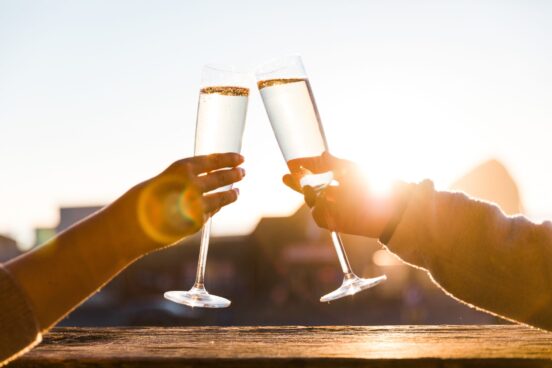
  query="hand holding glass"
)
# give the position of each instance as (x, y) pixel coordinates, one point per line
(289, 102)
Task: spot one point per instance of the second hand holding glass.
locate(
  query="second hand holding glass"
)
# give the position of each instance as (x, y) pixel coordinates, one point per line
(292, 112)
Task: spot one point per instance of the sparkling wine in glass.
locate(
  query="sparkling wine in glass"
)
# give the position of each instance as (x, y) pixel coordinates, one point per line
(291, 109)
(220, 122)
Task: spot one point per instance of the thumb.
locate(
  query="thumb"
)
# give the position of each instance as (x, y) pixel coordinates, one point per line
(310, 196)
(292, 182)
(324, 212)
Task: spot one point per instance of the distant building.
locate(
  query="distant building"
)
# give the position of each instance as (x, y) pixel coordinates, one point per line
(67, 216)
(492, 181)
(71, 215)
(8, 248)
(43, 234)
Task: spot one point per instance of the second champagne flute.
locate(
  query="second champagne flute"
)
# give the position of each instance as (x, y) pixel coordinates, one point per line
(220, 123)
(289, 102)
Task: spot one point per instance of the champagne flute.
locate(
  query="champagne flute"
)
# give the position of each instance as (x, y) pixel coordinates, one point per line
(291, 109)
(221, 112)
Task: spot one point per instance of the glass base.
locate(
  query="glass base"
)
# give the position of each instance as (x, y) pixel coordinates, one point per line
(351, 285)
(197, 297)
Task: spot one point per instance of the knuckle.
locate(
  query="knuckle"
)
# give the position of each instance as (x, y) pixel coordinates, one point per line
(233, 175)
(223, 199)
(226, 177)
(222, 178)
(192, 180)
(175, 165)
(182, 167)
(215, 158)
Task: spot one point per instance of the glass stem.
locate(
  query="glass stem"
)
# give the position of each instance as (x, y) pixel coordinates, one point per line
(340, 250)
(203, 249)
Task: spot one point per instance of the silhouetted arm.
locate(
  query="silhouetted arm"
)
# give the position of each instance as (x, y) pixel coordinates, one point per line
(40, 287)
(477, 254)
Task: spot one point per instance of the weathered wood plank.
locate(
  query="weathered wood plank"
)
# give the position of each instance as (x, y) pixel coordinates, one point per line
(386, 346)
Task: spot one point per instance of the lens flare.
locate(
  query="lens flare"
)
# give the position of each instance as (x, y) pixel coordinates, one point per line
(379, 180)
(168, 209)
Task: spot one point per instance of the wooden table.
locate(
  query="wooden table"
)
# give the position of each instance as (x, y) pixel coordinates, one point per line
(294, 346)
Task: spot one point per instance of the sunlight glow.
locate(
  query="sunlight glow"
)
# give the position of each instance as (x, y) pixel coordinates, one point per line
(381, 183)
(384, 258)
(408, 95)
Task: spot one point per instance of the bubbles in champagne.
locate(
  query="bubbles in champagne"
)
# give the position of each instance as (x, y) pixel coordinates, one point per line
(226, 90)
(274, 82)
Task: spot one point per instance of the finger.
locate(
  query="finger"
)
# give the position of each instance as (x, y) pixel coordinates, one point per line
(315, 164)
(310, 196)
(339, 166)
(319, 214)
(181, 168)
(203, 164)
(320, 164)
(324, 211)
(217, 179)
(292, 182)
(215, 161)
(215, 201)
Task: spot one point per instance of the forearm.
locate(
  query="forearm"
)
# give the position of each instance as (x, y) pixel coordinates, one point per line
(42, 286)
(62, 273)
(472, 250)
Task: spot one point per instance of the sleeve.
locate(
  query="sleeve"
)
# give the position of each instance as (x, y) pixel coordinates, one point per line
(19, 330)
(477, 254)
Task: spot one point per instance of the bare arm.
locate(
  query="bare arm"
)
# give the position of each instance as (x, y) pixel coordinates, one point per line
(59, 275)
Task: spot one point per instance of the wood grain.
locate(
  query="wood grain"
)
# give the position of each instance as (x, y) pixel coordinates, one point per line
(294, 346)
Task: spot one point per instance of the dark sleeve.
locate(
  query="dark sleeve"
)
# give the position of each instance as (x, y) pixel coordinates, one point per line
(477, 254)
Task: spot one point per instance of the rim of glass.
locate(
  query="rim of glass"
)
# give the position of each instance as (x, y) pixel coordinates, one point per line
(280, 64)
(230, 68)
(224, 75)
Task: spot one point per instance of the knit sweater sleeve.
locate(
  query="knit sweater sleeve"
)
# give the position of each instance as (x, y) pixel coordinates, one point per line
(477, 254)
(19, 330)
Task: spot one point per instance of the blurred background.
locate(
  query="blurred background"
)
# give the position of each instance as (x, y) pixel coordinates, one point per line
(98, 96)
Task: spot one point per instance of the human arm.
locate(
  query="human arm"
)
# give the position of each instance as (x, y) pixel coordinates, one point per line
(478, 255)
(59, 275)
(500, 264)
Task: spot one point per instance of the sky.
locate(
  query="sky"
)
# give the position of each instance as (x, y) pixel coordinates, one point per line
(96, 96)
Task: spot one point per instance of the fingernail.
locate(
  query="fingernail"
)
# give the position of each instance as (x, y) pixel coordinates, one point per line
(237, 190)
(242, 171)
